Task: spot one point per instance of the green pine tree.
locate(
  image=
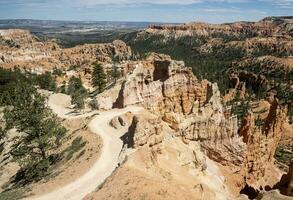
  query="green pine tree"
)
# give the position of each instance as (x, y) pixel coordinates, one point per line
(74, 84)
(77, 92)
(99, 78)
(40, 128)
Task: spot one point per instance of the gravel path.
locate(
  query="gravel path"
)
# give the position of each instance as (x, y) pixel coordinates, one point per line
(109, 159)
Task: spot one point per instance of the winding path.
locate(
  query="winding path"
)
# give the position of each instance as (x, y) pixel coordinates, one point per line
(104, 166)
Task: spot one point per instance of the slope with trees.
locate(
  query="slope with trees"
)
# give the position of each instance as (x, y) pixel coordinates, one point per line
(40, 132)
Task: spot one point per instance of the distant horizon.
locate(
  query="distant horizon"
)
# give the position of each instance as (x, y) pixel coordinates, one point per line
(56, 20)
(148, 22)
(163, 11)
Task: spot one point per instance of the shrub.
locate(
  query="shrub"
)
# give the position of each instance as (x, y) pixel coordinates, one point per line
(77, 92)
(94, 104)
(77, 98)
(46, 81)
(76, 145)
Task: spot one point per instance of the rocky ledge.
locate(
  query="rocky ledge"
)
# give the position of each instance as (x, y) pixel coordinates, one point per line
(183, 107)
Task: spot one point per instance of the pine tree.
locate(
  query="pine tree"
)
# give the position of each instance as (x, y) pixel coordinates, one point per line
(99, 78)
(77, 92)
(74, 85)
(77, 98)
(41, 132)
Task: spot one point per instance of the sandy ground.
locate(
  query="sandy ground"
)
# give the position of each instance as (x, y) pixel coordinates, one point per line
(158, 175)
(129, 183)
(136, 182)
(108, 159)
(61, 105)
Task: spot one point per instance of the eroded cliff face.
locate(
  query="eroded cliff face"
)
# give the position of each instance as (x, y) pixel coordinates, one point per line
(264, 28)
(261, 144)
(266, 37)
(247, 58)
(191, 111)
(19, 49)
(185, 125)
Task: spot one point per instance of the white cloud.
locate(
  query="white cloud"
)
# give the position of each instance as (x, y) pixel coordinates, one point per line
(280, 3)
(222, 10)
(234, 10)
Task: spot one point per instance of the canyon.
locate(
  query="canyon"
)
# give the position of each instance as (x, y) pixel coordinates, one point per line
(169, 132)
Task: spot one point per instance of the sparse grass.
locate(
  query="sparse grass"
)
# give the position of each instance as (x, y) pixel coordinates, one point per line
(13, 194)
(76, 145)
(284, 155)
(52, 175)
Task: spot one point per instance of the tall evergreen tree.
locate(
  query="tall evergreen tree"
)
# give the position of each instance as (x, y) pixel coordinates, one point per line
(74, 85)
(41, 132)
(77, 92)
(99, 78)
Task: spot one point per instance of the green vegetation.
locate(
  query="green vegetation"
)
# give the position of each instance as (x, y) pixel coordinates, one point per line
(115, 73)
(116, 59)
(73, 67)
(42, 133)
(94, 104)
(62, 88)
(26, 110)
(221, 59)
(211, 65)
(240, 109)
(284, 154)
(46, 81)
(1, 147)
(11, 77)
(77, 92)
(8, 81)
(76, 145)
(279, 80)
(99, 78)
(58, 72)
(2, 133)
(13, 194)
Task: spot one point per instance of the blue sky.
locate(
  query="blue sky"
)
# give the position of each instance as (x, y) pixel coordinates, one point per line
(213, 11)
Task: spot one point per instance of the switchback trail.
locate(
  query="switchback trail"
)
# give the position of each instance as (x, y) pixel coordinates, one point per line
(106, 163)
